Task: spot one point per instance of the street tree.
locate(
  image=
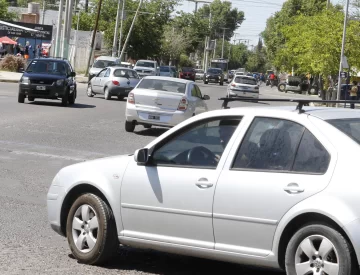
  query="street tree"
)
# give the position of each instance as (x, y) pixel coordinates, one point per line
(174, 43)
(4, 13)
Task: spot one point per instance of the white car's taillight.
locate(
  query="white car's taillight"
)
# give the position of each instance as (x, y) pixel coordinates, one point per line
(183, 104)
(131, 98)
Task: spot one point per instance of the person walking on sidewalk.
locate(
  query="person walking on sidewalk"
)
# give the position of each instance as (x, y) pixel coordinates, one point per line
(353, 94)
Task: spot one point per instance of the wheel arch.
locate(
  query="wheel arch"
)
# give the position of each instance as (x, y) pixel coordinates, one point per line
(300, 221)
(72, 195)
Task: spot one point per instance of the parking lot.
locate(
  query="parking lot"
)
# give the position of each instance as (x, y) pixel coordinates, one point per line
(36, 140)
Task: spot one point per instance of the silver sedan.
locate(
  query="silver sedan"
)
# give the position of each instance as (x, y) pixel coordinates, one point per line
(113, 81)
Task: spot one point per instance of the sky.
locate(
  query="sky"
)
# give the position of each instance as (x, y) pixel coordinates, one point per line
(256, 14)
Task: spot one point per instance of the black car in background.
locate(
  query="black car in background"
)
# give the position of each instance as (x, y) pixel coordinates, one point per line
(214, 75)
(48, 79)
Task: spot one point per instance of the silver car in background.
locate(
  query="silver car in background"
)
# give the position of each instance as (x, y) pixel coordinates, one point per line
(163, 101)
(167, 71)
(101, 63)
(113, 81)
(243, 86)
(199, 74)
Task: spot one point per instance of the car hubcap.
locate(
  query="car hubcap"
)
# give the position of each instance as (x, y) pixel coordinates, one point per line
(89, 90)
(316, 255)
(85, 228)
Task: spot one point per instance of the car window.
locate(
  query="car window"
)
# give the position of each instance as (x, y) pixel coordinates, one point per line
(269, 144)
(125, 73)
(194, 91)
(214, 71)
(199, 95)
(349, 126)
(311, 156)
(47, 67)
(145, 64)
(245, 80)
(102, 73)
(199, 146)
(162, 85)
(164, 69)
(107, 73)
(103, 64)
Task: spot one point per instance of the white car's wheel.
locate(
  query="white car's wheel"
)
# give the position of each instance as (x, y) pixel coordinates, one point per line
(318, 249)
(89, 91)
(107, 95)
(91, 230)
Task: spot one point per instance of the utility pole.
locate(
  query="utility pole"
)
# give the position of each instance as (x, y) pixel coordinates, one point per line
(131, 27)
(43, 17)
(342, 50)
(214, 50)
(116, 31)
(68, 29)
(63, 40)
(77, 37)
(207, 46)
(58, 30)
(93, 37)
(328, 4)
(222, 50)
(198, 1)
(121, 26)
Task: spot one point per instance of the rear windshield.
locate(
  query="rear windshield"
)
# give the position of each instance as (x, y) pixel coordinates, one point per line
(164, 69)
(162, 85)
(145, 64)
(349, 126)
(101, 64)
(188, 70)
(125, 73)
(245, 80)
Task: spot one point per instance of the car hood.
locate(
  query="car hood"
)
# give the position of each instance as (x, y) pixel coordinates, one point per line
(144, 68)
(43, 76)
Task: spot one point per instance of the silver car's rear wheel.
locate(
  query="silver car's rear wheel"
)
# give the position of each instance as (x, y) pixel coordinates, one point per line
(319, 250)
(89, 91)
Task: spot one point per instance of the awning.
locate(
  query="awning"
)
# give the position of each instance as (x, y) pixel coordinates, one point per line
(7, 40)
(17, 26)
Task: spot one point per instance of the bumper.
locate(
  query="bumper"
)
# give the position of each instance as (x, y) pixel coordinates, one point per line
(49, 92)
(55, 197)
(119, 91)
(238, 93)
(166, 119)
(214, 80)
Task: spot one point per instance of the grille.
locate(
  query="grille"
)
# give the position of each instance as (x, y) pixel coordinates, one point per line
(40, 92)
(42, 81)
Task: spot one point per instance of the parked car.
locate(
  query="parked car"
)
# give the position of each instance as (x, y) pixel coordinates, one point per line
(174, 71)
(243, 86)
(101, 63)
(164, 102)
(166, 71)
(113, 81)
(147, 68)
(48, 79)
(296, 84)
(187, 73)
(214, 75)
(260, 186)
(199, 74)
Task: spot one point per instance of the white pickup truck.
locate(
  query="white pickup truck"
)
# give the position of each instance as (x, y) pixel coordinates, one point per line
(147, 68)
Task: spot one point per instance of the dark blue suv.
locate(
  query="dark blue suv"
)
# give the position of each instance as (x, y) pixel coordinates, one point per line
(48, 79)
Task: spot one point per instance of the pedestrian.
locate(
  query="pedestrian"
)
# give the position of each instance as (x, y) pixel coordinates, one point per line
(37, 51)
(27, 50)
(353, 94)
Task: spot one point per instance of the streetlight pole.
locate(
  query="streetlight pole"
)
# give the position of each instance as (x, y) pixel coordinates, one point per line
(342, 50)
(116, 31)
(76, 37)
(121, 26)
(222, 50)
(58, 29)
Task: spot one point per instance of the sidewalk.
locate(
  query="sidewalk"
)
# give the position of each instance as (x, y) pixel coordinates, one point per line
(11, 77)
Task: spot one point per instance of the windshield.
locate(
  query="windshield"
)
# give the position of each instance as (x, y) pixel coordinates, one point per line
(47, 67)
(245, 80)
(125, 73)
(188, 70)
(164, 69)
(173, 69)
(101, 64)
(145, 64)
(162, 85)
(214, 71)
(349, 126)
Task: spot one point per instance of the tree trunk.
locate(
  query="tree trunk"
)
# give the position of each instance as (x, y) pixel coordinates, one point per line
(86, 5)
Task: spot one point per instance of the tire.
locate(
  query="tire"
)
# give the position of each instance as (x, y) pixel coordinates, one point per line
(107, 95)
(21, 98)
(221, 83)
(106, 242)
(65, 99)
(281, 88)
(120, 98)
(31, 98)
(206, 82)
(72, 98)
(147, 126)
(340, 252)
(89, 91)
(129, 126)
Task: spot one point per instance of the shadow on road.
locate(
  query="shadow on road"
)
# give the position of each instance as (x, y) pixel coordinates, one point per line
(153, 132)
(58, 104)
(153, 262)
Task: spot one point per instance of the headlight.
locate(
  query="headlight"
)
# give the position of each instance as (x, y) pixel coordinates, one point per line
(25, 80)
(60, 82)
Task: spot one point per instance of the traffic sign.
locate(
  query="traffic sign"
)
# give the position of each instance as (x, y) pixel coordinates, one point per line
(343, 74)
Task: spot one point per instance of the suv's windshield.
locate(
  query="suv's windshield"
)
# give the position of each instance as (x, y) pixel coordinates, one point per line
(164, 69)
(101, 64)
(162, 85)
(245, 80)
(47, 67)
(145, 64)
(349, 126)
(214, 71)
(188, 70)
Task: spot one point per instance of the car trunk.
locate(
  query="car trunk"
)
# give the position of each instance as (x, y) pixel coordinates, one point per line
(157, 100)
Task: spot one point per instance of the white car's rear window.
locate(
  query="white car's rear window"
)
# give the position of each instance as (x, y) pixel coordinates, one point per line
(349, 126)
(162, 85)
(245, 80)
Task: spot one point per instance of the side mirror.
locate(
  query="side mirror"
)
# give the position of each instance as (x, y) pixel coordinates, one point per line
(206, 97)
(141, 156)
(21, 70)
(72, 74)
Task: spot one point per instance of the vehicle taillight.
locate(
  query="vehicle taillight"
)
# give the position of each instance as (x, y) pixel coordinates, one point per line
(117, 83)
(183, 104)
(234, 85)
(181, 74)
(131, 98)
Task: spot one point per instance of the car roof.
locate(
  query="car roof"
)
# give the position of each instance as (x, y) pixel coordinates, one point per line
(110, 58)
(120, 67)
(50, 59)
(244, 76)
(179, 80)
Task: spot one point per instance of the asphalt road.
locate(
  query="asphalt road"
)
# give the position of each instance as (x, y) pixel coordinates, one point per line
(36, 140)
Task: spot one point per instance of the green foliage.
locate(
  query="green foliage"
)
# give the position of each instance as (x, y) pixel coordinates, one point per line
(173, 43)
(4, 14)
(185, 61)
(238, 57)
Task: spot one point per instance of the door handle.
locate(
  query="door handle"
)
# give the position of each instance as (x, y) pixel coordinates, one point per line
(293, 188)
(203, 183)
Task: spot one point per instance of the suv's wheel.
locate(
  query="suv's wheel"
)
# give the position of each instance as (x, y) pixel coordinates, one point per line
(318, 249)
(91, 230)
(107, 95)
(65, 99)
(129, 126)
(206, 82)
(21, 98)
(31, 98)
(72, 98)
(221, 83)
(120, 97)
(89, 91)
(148, 126)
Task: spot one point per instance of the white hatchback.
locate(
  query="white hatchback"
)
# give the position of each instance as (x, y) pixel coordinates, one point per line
(163, 102)
(243, 86)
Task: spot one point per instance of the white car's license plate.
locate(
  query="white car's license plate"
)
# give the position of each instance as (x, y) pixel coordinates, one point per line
(41, 88)
(154, 117)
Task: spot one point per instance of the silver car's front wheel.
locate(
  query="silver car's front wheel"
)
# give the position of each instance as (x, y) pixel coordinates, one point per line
(319, 250)
(89, 91)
